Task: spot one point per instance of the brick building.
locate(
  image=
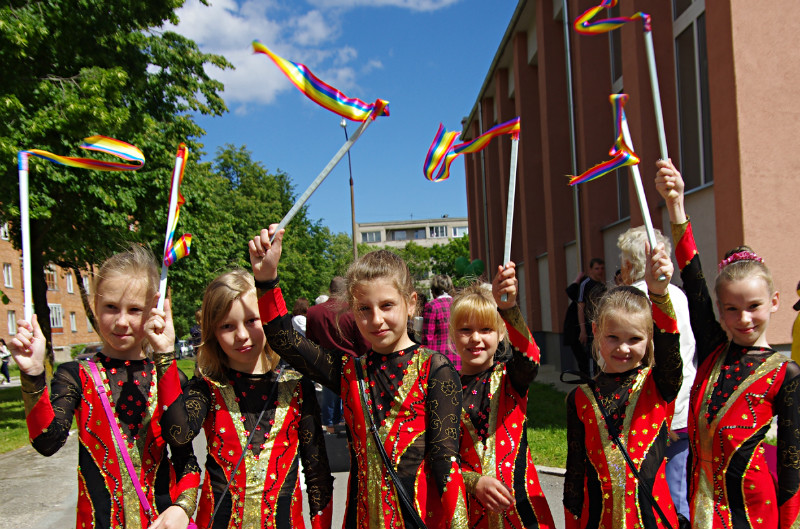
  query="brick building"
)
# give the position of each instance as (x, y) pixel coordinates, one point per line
(729, 79)
(68, 320)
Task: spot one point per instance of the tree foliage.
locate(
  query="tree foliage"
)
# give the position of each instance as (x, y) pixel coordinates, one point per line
(228, 201)
(74, 69)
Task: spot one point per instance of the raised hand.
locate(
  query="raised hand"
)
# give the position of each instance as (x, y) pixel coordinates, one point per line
(159, 329)
(28, 347)
(505, 282)
(657, 265)
(670, 186)
(264, 256)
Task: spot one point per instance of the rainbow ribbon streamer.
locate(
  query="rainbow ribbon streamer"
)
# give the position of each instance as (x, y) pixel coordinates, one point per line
(622, 154)
(509, 127)
(441, 145)
(180, 249)
(583, 25)
(104, 144)
(323, 94)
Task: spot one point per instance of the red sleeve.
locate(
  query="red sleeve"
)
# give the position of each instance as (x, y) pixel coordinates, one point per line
(271, 305)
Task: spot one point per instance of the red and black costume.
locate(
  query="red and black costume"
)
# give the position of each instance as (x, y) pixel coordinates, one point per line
(737, 392)
(599, 488)
(265, 490)
(415, 396)
(493, 438)
(106, 496)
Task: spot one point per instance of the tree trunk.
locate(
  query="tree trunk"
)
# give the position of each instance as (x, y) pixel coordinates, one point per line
(39, 293)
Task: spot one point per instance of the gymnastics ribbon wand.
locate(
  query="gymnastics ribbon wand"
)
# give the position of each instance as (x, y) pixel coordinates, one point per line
(623, 154)
(180, 249)
(120, 149)
(331, 99)
(583, 26)
(441, 154)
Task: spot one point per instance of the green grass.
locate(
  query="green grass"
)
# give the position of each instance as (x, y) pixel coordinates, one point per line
(13, 431)
(547, 425)
(187, 366)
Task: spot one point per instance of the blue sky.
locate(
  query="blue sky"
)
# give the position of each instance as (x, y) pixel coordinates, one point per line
(428, 58)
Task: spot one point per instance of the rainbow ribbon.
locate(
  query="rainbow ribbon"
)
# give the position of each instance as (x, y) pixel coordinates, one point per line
(509, 127)
(622, 154)
(583, 25)
(441, 145)
(173, 252)
(323, 94)
(117, 148)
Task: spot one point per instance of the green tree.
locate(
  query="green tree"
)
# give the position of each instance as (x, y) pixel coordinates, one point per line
(74, 69)
(228, 201)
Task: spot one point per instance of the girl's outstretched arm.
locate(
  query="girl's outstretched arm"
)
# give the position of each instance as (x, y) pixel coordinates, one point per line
(524, 363)
(185, 408)
(668, 370)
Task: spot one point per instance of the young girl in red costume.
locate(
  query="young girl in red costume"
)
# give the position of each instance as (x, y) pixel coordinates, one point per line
(641, 373)
(498, 469)
(124, 292)
(741, 385)
(239, 384)
(413, 395)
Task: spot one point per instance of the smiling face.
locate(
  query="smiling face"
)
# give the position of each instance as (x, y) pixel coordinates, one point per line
(241, 336)
(121, 304)
(622, 340)
(745, 306)
(381, 313)
(476, 342)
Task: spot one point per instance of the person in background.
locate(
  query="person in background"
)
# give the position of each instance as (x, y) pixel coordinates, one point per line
(299, 315)
(436, 319)
(591, 290)
(632, 257)
(5, 355)
(331, 326)
(572, 327)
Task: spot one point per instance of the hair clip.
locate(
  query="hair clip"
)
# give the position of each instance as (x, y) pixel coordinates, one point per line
(739, 256)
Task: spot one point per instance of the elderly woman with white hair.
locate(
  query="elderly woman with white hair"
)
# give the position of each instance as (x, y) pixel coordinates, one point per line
(632, 262)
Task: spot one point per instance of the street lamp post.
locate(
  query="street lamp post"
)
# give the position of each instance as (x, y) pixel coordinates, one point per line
(352, 198)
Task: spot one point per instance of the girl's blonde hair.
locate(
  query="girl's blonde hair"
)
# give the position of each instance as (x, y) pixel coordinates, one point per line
(135, 262)
(380, 264)
(217, 301)
(743, 269)
(630, 303)
(475, 302)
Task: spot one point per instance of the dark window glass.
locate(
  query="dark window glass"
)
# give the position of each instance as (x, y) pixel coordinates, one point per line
(688, 108)
(679, 6)
(708, 167)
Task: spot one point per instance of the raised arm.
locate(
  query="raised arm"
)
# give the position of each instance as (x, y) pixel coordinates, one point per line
(305, 356)
(707, 331)
(524, 363)
(668, 370)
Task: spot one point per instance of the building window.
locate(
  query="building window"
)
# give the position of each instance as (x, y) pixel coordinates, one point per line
(4, 236)
(70, 288)
(437, 232)
(396, 235)
(73, 322)
(8, 278)
(89, 327)
(694, 117)
(460, 231)
(419, 233)
(12, 322)
(371, 236)
(56, 318)
(51, 278)
(86, 283)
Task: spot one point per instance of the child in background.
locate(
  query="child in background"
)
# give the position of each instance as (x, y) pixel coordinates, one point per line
(124, 291)
(240, 385)
(413, 395)
(640, 378)
(498, 469)
(741, 384)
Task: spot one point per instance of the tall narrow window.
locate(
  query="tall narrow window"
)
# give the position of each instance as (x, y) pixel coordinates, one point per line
(8, 278)
(56, 318)
(68, 278)
(12, 322)
(694, 118)
(51, 278)
(73, 322)
(4, 236)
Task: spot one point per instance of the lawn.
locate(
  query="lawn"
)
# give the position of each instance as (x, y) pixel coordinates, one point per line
(547, 425)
